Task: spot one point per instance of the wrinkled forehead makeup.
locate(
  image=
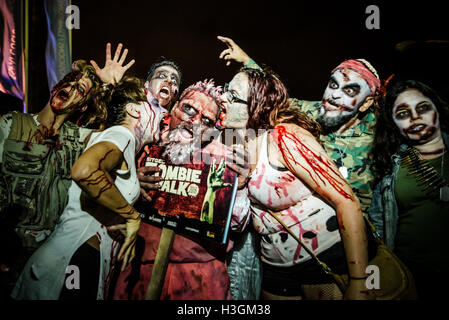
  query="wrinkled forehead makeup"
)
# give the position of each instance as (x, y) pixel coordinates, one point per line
(199, 99)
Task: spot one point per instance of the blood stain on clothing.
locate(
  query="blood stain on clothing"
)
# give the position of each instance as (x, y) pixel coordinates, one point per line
(321, 167)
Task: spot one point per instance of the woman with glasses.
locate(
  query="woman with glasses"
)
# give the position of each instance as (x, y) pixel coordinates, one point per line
(293, 178)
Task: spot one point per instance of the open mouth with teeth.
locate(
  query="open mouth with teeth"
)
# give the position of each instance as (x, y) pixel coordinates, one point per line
(415, 128)
(63, 94)
(333, 106)
(164, 92)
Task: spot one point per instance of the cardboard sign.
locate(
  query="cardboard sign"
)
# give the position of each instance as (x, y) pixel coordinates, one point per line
(195, 198)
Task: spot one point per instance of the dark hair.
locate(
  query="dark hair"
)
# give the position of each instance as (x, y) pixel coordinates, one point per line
(128, 90)
(269, 104)
(162, 61)
(388, 138)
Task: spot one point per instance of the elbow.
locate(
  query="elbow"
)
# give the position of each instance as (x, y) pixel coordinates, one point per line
(81, 172)
(350, 206)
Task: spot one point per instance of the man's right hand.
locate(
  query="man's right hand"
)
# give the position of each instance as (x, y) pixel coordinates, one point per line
(148, 181)
(233, 52)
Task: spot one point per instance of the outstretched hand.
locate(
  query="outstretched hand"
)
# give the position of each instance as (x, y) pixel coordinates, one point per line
(233, 52)
(113, 69)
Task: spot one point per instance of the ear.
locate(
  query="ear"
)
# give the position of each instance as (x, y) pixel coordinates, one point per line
(368, 103)
(133, 110)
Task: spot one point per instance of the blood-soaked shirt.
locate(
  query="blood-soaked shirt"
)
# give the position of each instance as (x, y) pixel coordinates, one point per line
(295, 204)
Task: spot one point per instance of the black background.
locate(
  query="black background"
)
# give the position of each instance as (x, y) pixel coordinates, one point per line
(301, 40)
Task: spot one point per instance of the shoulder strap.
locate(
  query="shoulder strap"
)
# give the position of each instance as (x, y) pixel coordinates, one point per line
(263, 154)
(339, 281)
(22, 127)
(324, 266)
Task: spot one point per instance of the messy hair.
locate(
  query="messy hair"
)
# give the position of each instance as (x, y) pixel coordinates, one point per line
(207, 87)
(95, 114)
(388, 139)
(269, 104)
(128, 90)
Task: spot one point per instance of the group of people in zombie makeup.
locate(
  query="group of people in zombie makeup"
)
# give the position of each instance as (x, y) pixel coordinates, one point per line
(73, 192)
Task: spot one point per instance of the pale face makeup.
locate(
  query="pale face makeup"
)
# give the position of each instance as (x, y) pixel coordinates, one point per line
(416, 116)
(345, 94)
(235, 115)
(164, 85)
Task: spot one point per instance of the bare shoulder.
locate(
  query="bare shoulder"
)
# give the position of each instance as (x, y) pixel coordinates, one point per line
(293, 131)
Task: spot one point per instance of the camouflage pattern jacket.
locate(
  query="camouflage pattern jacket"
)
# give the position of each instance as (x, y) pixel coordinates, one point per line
(35, 176)
(351, 149)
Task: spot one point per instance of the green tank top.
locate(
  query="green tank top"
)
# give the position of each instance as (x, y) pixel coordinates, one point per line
(423, 219)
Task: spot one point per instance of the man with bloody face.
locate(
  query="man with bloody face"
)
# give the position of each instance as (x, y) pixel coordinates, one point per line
(346, 114)
(196, 268)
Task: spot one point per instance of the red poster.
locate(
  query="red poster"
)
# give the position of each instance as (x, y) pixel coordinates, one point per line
(194, 198)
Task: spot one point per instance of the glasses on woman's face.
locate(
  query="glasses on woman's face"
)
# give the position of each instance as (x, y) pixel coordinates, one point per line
(234, 98)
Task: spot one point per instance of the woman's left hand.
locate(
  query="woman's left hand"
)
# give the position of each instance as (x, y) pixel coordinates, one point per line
(357, 291)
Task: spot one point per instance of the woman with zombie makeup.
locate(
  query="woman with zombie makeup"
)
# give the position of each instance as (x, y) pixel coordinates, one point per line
(292, 176)
(101, 198)
(410, 205)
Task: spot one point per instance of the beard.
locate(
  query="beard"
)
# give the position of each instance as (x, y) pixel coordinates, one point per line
(179, 152)
(332, 124)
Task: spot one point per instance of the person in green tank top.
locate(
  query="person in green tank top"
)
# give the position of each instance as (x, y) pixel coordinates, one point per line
(410, 205)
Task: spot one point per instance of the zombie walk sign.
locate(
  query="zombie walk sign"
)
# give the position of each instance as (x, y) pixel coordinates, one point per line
(196, 199)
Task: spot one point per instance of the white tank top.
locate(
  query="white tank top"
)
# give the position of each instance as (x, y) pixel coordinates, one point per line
(306, 214)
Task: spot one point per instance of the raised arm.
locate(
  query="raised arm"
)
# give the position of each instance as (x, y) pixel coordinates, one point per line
(301, 153)
(233, 52)
(92, 173)
(113, 69)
